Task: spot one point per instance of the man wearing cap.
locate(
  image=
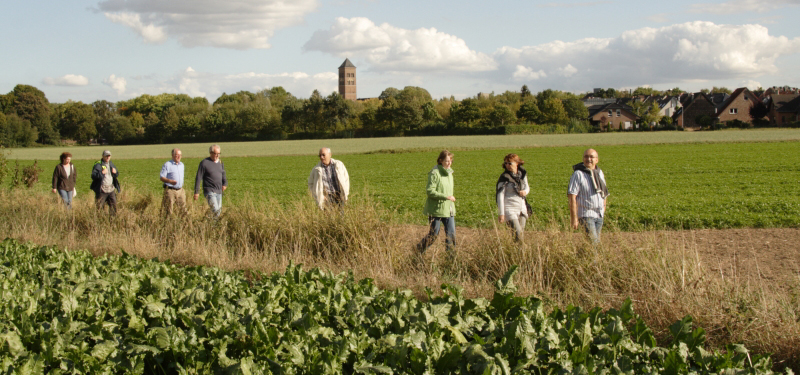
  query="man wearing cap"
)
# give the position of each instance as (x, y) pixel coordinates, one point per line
(105, 184)
(211, 177)
(172, 179)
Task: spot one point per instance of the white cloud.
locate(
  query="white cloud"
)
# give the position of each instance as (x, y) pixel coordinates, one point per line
(388, 48)
(212, 85)
(524, 73)
(750, 84)
(237, 24)
(67, 80)
(742, 6)
(677, 53)
(150, 33)
(116, 83)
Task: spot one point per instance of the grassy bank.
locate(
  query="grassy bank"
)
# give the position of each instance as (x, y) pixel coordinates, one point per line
(665, 279)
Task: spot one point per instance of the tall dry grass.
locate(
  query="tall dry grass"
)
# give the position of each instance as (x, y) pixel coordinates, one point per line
(662, 273)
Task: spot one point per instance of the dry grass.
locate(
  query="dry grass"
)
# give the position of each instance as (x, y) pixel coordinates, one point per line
(665, 277)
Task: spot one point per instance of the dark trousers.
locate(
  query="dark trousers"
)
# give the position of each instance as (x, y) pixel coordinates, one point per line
(106, 198)
(436, 223)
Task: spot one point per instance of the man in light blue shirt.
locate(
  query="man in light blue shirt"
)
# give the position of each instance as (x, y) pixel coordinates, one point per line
(172, 179)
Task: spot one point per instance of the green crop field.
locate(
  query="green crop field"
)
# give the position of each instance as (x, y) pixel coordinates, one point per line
(71, 313)
(695, 185)
(364, 145)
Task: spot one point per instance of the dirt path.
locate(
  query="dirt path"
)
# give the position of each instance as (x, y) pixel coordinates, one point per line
(772, 254)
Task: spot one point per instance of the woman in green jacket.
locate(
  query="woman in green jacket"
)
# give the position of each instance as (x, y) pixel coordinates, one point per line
(440, 204)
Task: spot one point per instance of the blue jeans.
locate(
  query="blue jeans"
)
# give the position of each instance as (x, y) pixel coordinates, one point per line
(215, 202)
(66, 196)
(449, 230)
(593, 226)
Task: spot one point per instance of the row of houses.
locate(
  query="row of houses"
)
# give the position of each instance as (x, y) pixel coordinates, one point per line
(692, 111)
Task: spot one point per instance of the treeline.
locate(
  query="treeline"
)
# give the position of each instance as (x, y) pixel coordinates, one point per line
(28, 118)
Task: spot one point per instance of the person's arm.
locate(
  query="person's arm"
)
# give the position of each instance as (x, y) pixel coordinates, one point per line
(433, 183)
(163, 175)
(573, 210)
(526, 188)
(500, 197)
(55, 180)
(224, 176)
(344, 180)
(198, 180)
(572, 194)
(97, 173)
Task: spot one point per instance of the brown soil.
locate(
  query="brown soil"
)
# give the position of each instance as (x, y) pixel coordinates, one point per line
(770, 254)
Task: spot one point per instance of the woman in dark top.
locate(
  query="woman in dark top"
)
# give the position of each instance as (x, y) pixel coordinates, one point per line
(64, 178)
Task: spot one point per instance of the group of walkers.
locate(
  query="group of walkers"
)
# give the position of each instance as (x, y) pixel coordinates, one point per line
(329, 185)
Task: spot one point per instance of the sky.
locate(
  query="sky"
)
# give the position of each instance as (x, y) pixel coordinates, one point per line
(115, 50)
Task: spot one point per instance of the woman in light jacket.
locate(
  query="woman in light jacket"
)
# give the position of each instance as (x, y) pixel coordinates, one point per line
(440, 204)
(512, 188)
(64, 178)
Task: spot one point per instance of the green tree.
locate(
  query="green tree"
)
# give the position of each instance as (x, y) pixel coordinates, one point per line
(104, 111)
(501, 115)
(758, 110)
(31, 104)
(336, 111)
(16, 132)
(553, 111)
(575, 109)
(525, 92)
(390, 92)
(78, 122)
(466, 114)
(120, 130)
(651, 115)
(529, 112)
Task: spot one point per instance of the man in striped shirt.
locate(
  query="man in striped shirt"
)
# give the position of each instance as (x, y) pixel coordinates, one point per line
(587, 193)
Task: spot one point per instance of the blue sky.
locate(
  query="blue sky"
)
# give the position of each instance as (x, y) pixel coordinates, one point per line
(118, 49)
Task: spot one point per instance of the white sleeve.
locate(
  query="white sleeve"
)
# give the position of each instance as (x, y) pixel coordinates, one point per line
(501, 198)
(525, 187)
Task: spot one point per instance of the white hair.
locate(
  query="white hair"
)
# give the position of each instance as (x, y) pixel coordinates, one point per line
(211, 149)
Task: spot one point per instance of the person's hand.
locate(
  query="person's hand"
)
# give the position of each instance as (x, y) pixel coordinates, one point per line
(196, 196)
(451, 198)
(103, 171)
(523, 194)
(114, 170)
(55, 191)
(575, 223)
(501, 218)
(224, 188)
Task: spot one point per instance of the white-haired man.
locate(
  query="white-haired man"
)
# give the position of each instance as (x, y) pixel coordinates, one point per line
(211, 178)
(329, 182)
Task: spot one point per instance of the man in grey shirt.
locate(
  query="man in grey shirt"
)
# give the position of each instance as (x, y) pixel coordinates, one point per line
(211, 176)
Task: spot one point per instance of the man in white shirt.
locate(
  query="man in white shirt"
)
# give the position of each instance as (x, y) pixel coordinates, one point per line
(587, 193)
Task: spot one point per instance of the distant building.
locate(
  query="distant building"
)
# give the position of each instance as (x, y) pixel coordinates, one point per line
(347, 80)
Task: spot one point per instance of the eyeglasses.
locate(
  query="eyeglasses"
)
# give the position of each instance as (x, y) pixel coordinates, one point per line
(216, 153)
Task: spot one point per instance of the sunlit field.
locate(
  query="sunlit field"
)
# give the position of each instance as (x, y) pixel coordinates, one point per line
(677, 186)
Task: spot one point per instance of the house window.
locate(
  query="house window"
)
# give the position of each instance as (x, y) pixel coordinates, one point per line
(610, 113)
(733, 111)
(618, 113)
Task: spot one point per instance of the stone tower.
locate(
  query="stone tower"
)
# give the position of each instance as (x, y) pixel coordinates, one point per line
(347, 80)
